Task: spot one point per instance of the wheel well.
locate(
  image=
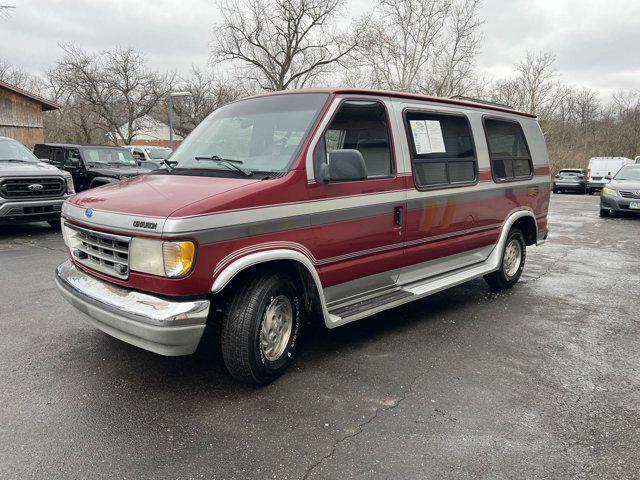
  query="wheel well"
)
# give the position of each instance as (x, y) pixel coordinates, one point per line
(292, 268)
(529, 229)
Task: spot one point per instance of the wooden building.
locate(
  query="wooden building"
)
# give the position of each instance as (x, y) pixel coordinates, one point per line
(21, 114)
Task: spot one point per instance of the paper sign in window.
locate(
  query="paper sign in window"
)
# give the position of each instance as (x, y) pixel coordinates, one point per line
(420, 137)
(436, 139)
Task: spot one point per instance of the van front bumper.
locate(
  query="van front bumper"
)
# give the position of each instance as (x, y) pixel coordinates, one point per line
(146, 321)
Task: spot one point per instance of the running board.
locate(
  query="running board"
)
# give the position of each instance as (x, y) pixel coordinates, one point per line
(407, 293)
(370, 304)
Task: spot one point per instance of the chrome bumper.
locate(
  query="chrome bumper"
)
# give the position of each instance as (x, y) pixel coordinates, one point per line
(143, 320)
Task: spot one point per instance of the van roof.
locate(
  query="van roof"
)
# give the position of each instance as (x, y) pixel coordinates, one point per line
(411, 96)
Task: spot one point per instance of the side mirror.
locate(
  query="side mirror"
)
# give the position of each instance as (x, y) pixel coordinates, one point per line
(74, 162)
(344, 166)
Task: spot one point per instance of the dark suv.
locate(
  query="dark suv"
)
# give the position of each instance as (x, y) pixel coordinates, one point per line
(91, 166)
(570, 179)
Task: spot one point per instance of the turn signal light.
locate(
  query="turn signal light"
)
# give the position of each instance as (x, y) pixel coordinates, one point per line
(178, 258)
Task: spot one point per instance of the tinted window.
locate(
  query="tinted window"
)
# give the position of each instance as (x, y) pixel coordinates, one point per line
(442, 149)
(510, 158)
(363, 126)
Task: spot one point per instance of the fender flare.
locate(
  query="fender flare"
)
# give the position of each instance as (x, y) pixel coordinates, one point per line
(102, 180)
(495, 256)
(237, 266)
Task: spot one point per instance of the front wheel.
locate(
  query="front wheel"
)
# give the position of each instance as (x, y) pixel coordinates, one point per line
(261, 328)
(591, 191)
(513, 259)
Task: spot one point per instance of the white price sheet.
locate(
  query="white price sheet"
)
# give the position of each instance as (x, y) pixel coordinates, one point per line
(427, 136)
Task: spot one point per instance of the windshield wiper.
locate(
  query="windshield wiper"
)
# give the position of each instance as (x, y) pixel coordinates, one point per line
(227, 162)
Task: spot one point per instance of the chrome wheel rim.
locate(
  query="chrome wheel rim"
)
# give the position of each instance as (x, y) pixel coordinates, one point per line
(275, 329)
(512, 258)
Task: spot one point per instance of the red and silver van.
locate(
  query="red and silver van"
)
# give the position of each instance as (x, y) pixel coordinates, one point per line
(331, 204)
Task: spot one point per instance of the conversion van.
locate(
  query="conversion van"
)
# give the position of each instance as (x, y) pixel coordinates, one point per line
(302, 205)
(602, 169)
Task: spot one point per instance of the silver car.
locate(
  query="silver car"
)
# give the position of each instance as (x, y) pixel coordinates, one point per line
(622, 194)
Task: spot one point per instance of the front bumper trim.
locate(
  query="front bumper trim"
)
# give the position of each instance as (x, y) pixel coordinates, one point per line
(146, 321)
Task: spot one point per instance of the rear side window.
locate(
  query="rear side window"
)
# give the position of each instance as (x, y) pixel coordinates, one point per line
(442, 149)
(508, 150)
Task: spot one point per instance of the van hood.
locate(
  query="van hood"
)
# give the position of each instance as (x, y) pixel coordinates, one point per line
(36, 169)
(157, 195)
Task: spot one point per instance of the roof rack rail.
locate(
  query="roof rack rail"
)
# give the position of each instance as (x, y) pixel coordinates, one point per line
(484, 102)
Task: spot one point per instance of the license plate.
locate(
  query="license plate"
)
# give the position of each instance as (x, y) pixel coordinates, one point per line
(634, 205)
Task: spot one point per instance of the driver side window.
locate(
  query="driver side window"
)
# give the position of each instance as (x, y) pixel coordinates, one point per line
(360, 125)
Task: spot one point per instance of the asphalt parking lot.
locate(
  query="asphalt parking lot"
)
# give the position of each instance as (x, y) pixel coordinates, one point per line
(542, 381)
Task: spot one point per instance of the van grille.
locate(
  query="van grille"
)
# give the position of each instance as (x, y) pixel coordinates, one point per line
(19, 188)
(107, 253)
(629, 194)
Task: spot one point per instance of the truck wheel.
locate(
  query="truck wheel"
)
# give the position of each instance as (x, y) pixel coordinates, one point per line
(513, 259)
(555, 190)
(591, 191)
(260, 329)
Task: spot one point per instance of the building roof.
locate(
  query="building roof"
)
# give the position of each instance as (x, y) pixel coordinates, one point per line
(46, 104)
(411, 96)
(151, 129)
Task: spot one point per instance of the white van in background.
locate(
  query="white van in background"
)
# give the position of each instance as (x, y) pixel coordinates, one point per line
(638, 159)
(602, 167)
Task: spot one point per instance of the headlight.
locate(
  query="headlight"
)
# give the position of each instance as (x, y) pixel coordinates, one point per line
(70, 188)
(610, 192)
(166, 259)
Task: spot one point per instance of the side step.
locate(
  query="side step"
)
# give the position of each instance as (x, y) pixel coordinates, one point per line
(370, 304)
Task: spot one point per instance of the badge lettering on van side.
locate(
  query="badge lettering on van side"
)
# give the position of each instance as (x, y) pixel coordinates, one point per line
(148, 225)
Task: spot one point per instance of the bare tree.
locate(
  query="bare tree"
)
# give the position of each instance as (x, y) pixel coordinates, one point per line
(426, 46)
(208, 92)
(20, 78)
(280, 44)
(115, 85)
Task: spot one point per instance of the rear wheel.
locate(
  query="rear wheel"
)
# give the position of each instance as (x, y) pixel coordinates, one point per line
(591, 191)
(513, 259)
(260, 329)
(555, 190)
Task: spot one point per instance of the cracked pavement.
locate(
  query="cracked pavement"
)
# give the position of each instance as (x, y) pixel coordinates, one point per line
(542, 381)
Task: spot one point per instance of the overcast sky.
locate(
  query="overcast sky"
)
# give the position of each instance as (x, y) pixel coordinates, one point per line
(596, 42)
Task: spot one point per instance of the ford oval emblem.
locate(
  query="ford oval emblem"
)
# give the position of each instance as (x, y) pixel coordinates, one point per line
(35, 187)
(88, 212)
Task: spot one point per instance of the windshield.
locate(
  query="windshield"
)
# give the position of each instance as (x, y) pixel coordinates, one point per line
(263, 133)
(628, 173)
(111, 156)
(158, 153)
(13, 150)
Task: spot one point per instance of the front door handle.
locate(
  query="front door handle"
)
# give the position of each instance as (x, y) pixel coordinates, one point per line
(397, 216)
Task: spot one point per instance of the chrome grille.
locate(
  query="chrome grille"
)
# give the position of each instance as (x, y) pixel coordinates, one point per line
(629, 194)
(26, 188)
(105, 252)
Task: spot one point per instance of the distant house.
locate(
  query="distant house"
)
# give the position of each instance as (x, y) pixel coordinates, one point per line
(21, 114)
(151, 132)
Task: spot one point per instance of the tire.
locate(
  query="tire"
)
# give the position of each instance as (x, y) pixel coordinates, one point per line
(583, 190)
(591, 191)
(555, 190)
(604, 212)
(54, 224)
(252, 352)
(508, 274)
